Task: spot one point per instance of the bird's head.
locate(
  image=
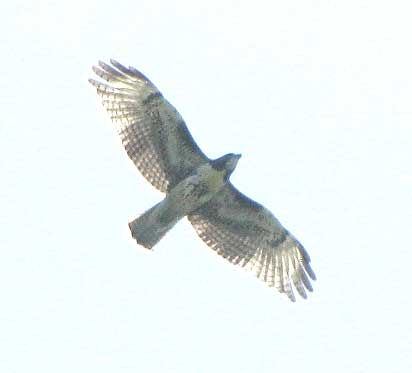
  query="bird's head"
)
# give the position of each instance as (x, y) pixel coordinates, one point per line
(226, 163)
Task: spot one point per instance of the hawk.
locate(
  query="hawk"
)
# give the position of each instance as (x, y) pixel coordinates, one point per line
(159, 143)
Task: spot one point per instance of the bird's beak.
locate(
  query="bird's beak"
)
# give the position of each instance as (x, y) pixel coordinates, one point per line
(237, 157)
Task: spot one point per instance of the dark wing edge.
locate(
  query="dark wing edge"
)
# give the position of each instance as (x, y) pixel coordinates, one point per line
(247, 234)
(153, 133)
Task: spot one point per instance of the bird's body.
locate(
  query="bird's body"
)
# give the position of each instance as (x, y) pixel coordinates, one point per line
(158, 142)
(184, 198)
(198, 188)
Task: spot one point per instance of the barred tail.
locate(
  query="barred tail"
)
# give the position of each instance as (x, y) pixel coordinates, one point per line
(149, 228)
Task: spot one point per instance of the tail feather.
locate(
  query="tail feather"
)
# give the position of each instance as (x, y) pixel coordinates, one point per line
(149, 228)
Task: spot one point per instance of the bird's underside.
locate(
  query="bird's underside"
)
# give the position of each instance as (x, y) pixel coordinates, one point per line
(160, 145)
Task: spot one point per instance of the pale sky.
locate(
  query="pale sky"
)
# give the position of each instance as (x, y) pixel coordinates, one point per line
(316, 95)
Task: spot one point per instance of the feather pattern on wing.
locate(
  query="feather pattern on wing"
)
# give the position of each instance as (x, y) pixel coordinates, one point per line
(152, 131)
(247, 234)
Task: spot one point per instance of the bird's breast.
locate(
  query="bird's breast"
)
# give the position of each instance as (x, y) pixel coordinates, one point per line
(196, 189)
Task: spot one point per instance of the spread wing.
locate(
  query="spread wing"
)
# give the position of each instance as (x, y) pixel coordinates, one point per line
(152, 131)
(247, 234)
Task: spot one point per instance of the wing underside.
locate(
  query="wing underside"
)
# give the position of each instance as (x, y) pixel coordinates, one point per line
(247, 234)
(152, 131)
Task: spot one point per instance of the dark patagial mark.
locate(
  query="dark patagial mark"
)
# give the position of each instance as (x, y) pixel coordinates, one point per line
(151, 97)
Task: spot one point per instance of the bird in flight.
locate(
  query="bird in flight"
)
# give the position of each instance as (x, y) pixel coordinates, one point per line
(159, 143)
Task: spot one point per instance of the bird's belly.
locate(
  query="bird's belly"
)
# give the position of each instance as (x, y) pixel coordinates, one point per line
(194, 191)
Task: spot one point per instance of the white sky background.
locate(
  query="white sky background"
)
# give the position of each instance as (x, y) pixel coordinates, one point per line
(316, 95)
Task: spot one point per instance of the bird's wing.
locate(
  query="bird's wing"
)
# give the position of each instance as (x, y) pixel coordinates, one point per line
(247, 234)
(152, 131)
